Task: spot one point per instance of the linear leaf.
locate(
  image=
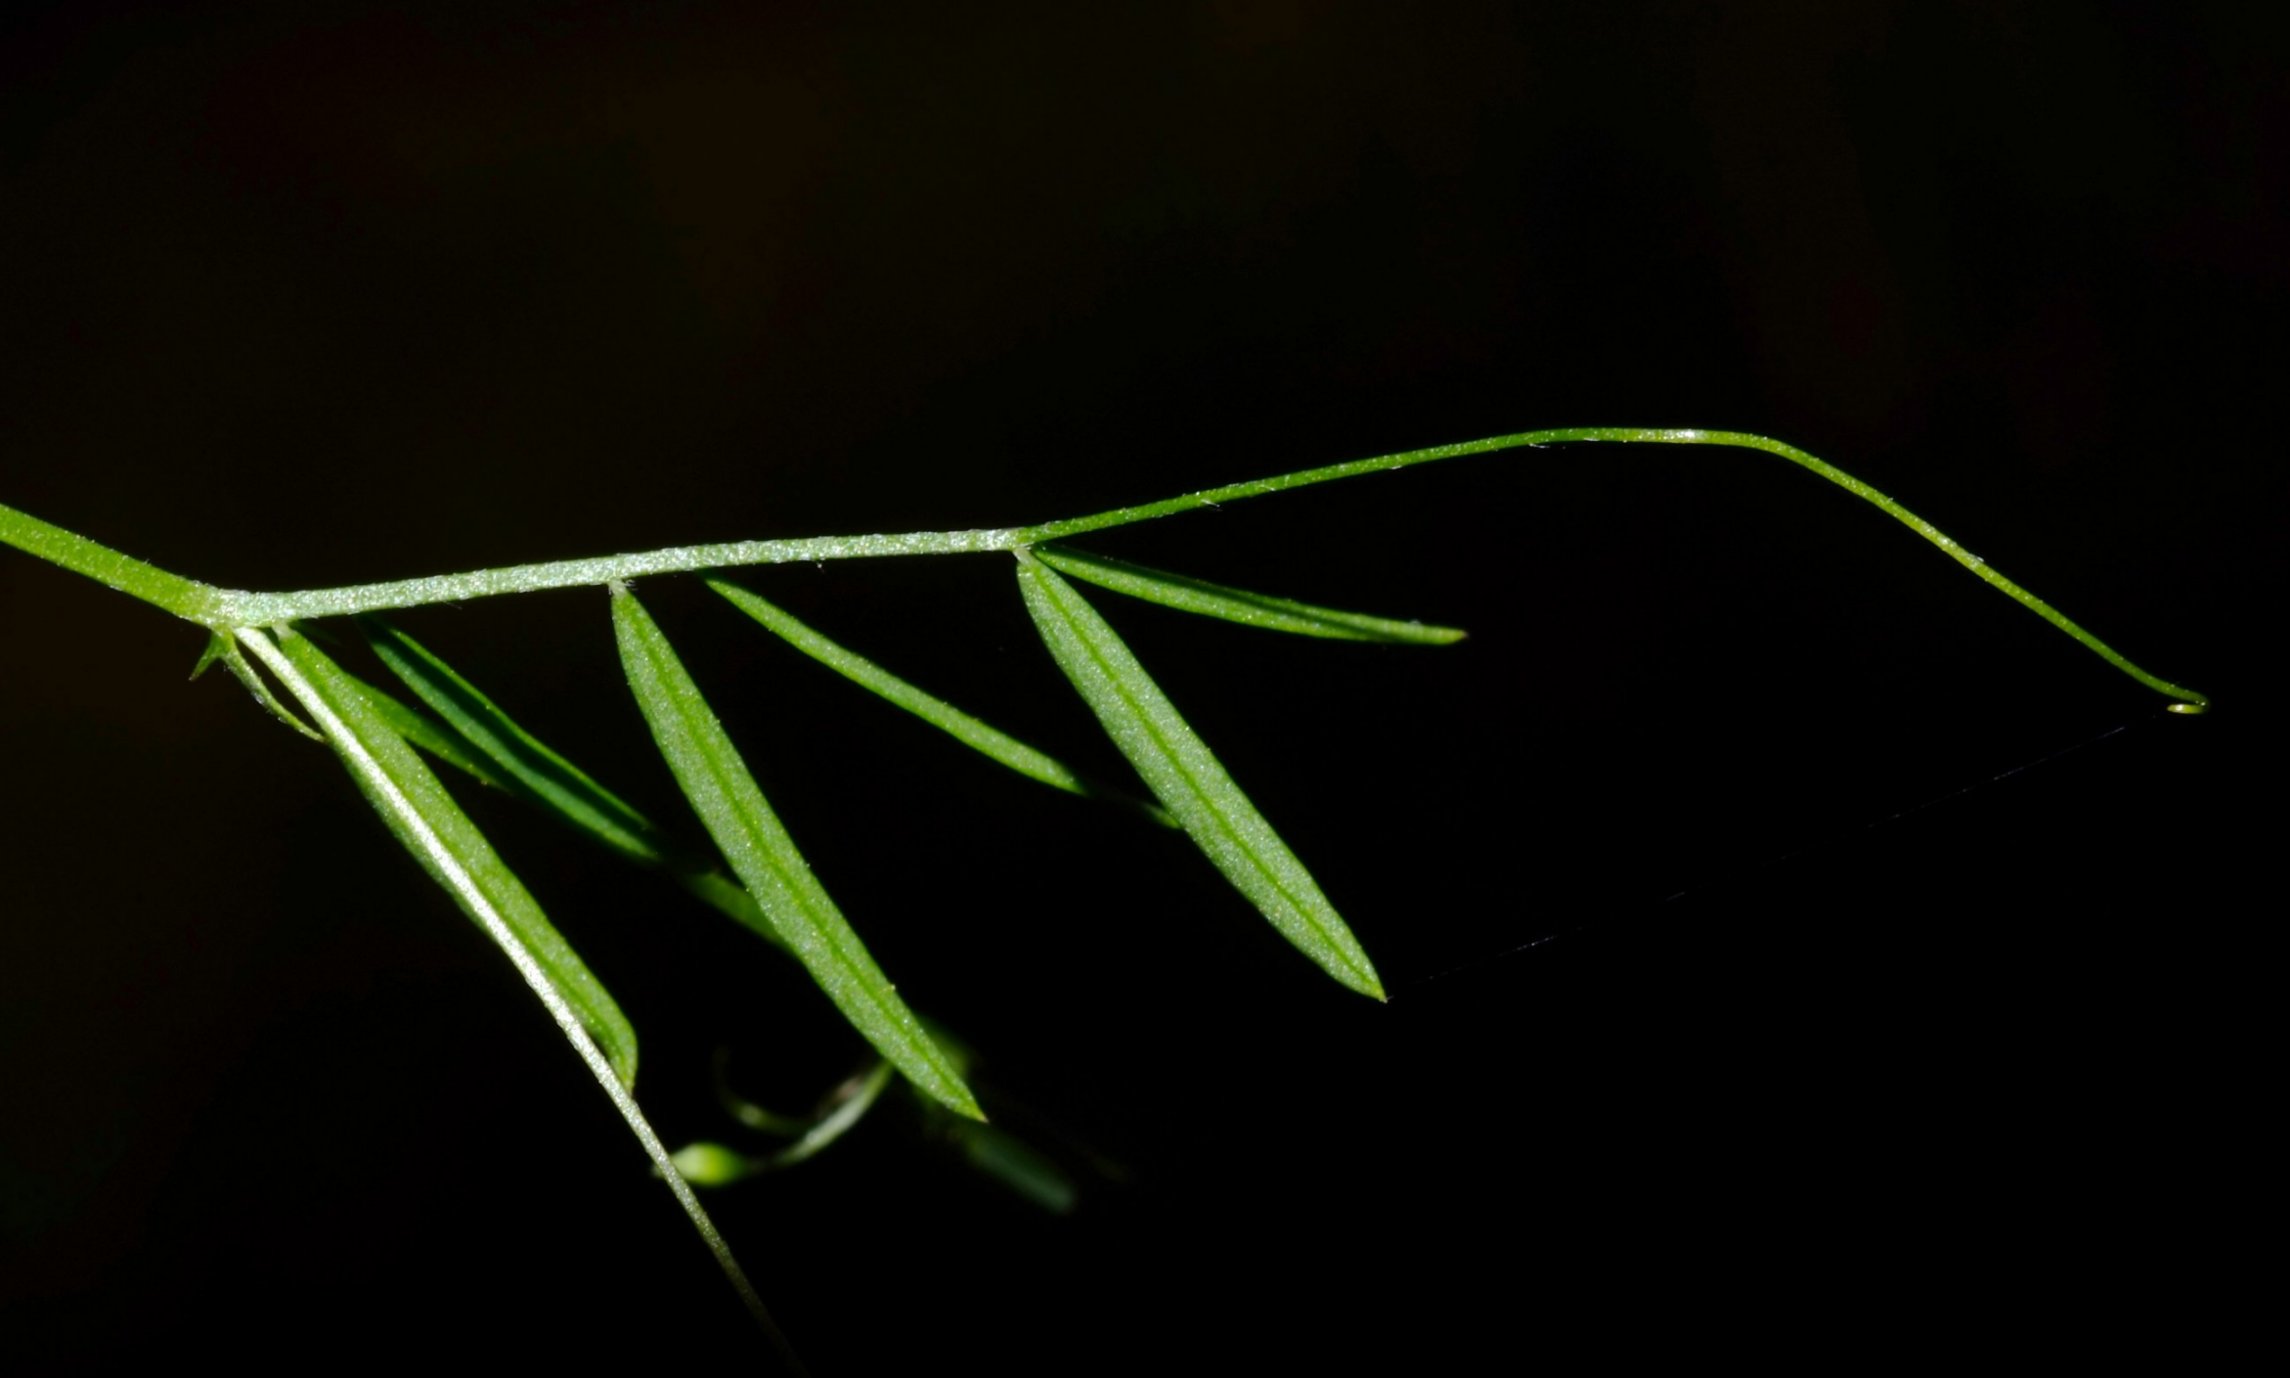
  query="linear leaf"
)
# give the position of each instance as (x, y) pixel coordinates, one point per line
(601, 814)
(978, 736)
(725, 796)
(427, 734)
(1188, 594)
(1017, 1165)
(556, 782)
(451, 848)
(1188, 779)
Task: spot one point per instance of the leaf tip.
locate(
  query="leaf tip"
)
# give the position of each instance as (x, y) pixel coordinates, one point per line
(618, 1050)
(1340, 955)
(958, 1099)
(1366, 982)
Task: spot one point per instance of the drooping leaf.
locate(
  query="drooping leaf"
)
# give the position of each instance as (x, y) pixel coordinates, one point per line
(425, 733)
(987, 741)
(1188, 594)
(1187, 778)
(559, 784)
(725, 796)
(574, 799)
(453, 850)
(1017, 1165)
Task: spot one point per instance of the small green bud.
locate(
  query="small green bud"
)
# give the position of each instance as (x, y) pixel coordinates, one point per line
(707, 1164)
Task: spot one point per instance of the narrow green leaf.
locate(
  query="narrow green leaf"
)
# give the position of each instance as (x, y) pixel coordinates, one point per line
(427, 734)
(449, 846)
(1017, 1165)
(987, 741)
(556, 782)
(1188, 594)
(764, 857)
(570, 795)
(1188, 779)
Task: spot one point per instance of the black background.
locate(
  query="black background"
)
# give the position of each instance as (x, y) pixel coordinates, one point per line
(1838, 1044)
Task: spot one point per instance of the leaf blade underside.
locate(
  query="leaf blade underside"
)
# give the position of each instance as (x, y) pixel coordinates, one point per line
(555, 782)
(425, 818)
(1188, 779)
(716, 781)
(496, 759)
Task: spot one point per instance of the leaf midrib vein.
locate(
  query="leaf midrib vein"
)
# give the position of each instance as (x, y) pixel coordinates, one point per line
(1224, 824)
(820, 933)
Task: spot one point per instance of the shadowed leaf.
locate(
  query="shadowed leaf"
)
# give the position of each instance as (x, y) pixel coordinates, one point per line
(556, 782)
(457, 856)
(572, 797)
(452, 849)
(427, 734)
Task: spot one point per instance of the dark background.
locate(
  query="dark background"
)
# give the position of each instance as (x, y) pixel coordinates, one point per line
(303, 295)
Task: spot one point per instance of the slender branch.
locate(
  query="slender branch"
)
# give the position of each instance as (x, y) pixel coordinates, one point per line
(225, 609)
(183, 597)
(2188, 700)
(265, 609)
(1305, 478)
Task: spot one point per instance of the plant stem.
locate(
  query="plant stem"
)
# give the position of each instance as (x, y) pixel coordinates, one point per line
(183, 597)
(225, 609)
(264, 609)
(2189, 700)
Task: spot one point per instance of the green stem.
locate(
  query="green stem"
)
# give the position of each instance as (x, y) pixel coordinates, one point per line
(264, 609)
(225, 609)
(2189, 700)
(183, 597)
